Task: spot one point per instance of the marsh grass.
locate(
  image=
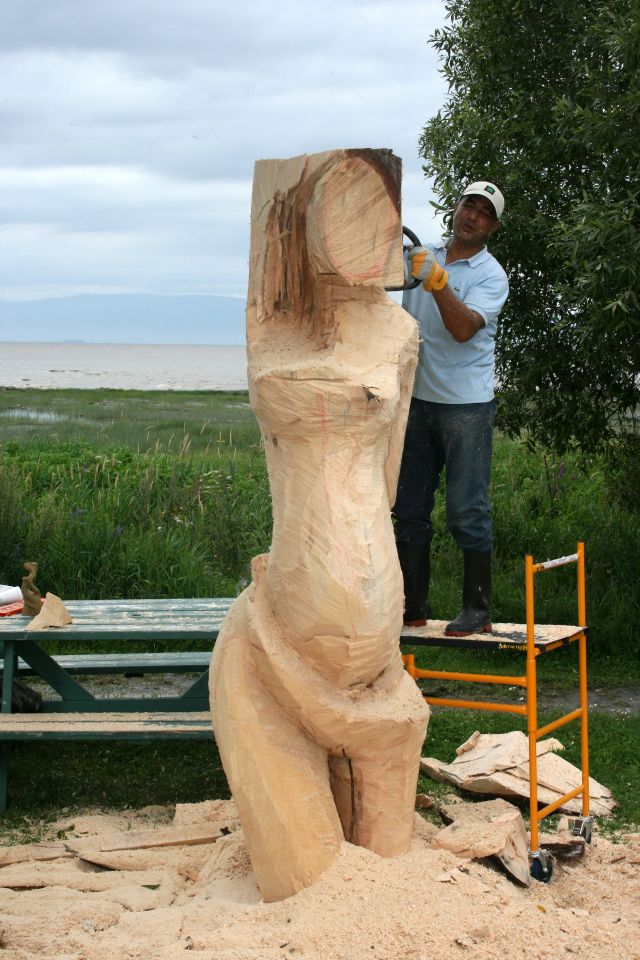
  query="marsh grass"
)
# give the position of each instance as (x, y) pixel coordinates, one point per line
(142, 421)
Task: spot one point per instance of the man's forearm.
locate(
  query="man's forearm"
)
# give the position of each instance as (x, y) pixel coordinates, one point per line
(461, 322)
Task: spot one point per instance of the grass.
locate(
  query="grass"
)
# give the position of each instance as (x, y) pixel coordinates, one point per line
(47, 778)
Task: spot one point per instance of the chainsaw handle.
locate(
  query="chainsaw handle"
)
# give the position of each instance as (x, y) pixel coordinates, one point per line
(416, 243)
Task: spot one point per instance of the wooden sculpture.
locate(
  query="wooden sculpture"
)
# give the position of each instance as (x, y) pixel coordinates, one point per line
(30, 593)
(319, 727)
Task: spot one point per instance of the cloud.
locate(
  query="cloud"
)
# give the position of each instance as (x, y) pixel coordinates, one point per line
(131, 130)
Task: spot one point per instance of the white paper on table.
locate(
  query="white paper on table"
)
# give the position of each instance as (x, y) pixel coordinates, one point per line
(9, 594)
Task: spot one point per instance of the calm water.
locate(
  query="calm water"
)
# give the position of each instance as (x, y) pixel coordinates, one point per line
(123, 366)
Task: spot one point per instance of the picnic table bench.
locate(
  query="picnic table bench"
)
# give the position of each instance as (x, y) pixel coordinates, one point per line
(76, 713)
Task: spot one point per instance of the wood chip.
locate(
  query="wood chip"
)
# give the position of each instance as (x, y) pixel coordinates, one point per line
(491, 829)
(498, 764)
(53, 614)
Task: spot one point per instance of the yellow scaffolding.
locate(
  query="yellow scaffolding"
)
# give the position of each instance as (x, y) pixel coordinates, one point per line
(536, 644)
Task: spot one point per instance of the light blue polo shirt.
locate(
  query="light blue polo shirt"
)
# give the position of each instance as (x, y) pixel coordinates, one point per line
(448, 371)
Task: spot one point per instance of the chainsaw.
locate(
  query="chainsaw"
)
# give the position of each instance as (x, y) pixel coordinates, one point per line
(415, 243)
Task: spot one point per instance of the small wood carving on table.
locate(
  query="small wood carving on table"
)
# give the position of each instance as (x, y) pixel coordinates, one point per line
(30, 593)
(319, 728)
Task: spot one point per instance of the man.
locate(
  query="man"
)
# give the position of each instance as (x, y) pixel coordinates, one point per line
(452, 410)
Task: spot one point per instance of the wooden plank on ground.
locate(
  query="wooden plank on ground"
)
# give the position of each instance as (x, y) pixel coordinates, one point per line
(24, 852)
(145, 839)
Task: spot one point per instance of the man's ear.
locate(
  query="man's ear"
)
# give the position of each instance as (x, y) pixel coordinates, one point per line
(495, 227)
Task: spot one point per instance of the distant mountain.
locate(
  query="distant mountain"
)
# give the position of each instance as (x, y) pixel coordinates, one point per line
(125, 318)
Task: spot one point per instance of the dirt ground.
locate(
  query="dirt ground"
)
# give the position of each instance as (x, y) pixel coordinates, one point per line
(154, 904)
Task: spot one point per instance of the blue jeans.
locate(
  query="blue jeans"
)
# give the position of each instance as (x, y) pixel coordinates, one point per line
(459, 438)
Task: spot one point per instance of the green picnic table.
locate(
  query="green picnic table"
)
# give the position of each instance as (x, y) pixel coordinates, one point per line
(76, 713)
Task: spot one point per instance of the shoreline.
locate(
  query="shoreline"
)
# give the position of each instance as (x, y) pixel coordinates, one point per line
(158, 367)
(239, 391)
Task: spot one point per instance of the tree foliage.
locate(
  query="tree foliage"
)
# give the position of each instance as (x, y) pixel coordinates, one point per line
(544, 99)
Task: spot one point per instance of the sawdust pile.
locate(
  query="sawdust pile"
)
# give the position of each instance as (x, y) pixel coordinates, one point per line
(156, 903)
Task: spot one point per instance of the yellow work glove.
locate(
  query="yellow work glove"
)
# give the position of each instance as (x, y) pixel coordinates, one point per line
(425, 267)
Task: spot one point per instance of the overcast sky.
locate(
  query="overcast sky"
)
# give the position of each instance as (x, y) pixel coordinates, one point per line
(130, 128)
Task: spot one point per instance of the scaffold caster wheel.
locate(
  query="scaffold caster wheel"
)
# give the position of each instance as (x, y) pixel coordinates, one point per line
(582, 827)
(541, 868)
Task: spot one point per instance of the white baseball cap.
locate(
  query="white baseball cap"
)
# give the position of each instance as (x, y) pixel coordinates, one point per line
(482, 188)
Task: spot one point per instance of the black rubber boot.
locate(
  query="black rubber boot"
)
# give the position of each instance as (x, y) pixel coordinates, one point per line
(415, 563)
(475, 616)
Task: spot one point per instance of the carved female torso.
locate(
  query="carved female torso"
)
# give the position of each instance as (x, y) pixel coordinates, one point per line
(329, 417)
